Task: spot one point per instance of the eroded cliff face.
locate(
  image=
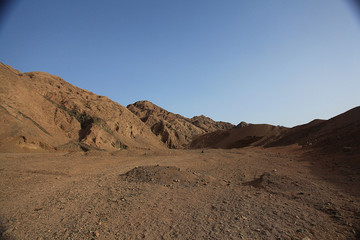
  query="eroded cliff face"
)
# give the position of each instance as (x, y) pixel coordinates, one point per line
(40, 111)
(174, 130)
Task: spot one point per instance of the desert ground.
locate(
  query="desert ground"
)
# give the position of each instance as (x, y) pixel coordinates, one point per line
(249, 193)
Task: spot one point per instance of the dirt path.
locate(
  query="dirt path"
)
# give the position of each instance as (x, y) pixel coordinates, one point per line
(219, 194)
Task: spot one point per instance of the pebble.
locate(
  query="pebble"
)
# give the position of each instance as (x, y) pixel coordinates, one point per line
(306, 238)
(96, 233)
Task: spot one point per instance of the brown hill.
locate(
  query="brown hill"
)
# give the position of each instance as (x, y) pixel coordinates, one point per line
(248, 135)
(335, 134)
(210, 125)
(40, 111)
(174, 130)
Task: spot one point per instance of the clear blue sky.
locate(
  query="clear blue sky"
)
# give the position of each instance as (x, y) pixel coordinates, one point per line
(280, 62)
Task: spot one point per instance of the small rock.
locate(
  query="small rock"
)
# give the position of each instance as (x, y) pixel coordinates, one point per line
(306, 238)
(347, 149)
(299, 231)
(96, 233)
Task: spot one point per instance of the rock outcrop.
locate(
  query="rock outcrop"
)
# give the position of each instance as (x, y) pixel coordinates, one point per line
(40, 111)
(174, 130)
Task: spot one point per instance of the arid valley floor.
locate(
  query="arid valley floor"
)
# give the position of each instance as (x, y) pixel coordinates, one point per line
(76, 165)
(249, 193)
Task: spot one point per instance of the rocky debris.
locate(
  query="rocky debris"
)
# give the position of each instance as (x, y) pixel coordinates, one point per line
(174, 130)
(49, 113)
(167, 176)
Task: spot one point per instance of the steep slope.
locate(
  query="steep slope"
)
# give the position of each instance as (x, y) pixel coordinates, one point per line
(40, 111)
(333, 134)
(248, 135)
(210, 125)
(174, 130)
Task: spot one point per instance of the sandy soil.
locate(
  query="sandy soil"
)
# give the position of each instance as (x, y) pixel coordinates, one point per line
(251, 193)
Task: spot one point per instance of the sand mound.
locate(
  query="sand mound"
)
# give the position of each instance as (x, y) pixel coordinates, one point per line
(249, 135)
(174, 130)
(167, 175)
(53, 113)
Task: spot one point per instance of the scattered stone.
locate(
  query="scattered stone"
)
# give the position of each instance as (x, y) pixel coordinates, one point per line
(96, 233)
(306, 238)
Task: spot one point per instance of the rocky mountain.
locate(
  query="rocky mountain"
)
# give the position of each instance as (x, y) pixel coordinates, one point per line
(210, 125)
(174, 130)
(341, 132)
(243, 135)
(40, 111)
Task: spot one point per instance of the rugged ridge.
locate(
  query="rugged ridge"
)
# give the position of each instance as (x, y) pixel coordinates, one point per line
(174, 130)
(40, 111)
(247, 135)
(340, 133)
(335, 134)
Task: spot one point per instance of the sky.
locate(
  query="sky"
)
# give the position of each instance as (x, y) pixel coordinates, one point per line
(279, 62)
